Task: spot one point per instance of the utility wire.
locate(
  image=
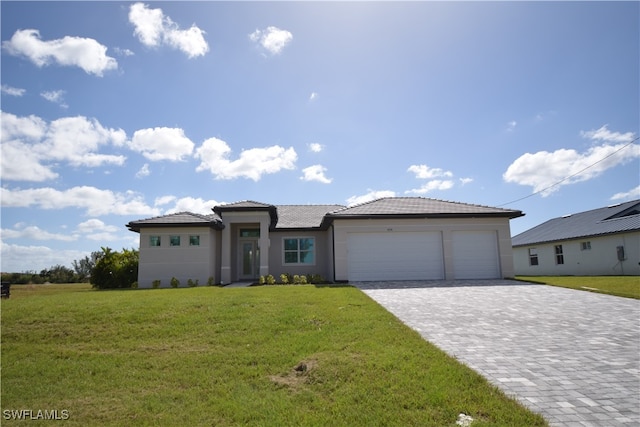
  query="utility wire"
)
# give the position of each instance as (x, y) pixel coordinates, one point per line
(570, 176)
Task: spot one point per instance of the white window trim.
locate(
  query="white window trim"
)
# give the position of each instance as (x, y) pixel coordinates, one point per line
(179, 240)
(299, 264)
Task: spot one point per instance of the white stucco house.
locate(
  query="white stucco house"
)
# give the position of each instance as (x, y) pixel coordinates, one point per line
(599, 242)
(397, 238)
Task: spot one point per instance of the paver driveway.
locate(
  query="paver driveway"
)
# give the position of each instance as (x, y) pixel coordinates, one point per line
(572, 356)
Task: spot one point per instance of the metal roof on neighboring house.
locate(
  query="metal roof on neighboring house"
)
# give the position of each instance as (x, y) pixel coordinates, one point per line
(421, 206)
(620, 218)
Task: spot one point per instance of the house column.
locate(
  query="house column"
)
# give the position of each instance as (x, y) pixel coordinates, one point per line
(264, 244)
(225, 256)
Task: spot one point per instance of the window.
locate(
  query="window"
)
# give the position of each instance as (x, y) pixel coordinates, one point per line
(533, 256)
(585, 246)
(154, 241)
(194, 240)
(299, 250)
(174, 240)
(559, 255)
(249, 232)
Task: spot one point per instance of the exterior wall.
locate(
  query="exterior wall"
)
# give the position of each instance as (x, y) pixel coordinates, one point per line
(600, 260)
(446, 226)
(323, 254)
(183, 262)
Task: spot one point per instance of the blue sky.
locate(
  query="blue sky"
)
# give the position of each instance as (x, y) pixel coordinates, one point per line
(116, 111)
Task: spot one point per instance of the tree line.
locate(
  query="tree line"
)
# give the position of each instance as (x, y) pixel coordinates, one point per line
(104, 269)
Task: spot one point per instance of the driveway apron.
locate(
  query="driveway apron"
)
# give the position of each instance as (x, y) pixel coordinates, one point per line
(572, 356)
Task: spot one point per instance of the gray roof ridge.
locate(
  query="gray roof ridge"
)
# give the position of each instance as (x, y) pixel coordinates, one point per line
(421, 198)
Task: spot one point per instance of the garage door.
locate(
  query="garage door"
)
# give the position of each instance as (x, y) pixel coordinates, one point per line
(475, 255)
(394, 256)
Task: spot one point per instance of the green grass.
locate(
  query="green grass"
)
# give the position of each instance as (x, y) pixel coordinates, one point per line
(227, 357)
(622, 286)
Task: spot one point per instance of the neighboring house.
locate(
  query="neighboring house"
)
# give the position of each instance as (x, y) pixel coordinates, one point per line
(403, 238)
(598, 242)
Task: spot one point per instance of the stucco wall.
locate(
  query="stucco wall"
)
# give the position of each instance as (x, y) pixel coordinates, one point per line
(600, 260)
(183, 262)
(445, 226)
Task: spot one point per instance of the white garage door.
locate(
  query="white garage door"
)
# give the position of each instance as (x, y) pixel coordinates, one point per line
(475, 255)
(394, 256)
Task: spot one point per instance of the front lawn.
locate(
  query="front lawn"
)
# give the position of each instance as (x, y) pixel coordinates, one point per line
(622, 286)
(268, 356)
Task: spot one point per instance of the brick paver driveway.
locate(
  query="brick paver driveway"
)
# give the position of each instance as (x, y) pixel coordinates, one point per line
(572, 356)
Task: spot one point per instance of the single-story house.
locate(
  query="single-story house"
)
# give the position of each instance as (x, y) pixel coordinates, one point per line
(396, 238)
(599, 242)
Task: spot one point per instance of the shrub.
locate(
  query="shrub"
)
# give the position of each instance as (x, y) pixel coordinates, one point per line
(270, 280)
(115, 269)
(284, 279)
(261, 280)
(134, 285)
(210, 281)
(192, 283)
(174, 282)
(156, 283)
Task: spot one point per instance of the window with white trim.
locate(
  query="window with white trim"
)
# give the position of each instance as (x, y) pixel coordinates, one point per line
(559, 255)
(585, 246)
(154, 241)
(194, 240)
(533, 256)
(174, 240)
(299, 250)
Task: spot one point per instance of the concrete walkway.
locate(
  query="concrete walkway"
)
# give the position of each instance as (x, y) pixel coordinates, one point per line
(572, 356)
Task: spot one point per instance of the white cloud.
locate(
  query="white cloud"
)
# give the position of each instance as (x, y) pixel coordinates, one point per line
(511, 126)
(425, 172)
(162, 144)
(605, 135)
(55, 96)
(252, 163)
(315, 173)
(153, 29)
(272, 39)
(315, 147)
(17, 258)
(35, 233)
(94, 229)
(465, 181)
(30, 145)
(313, 96)
(628, 195)
(13, 91)
(436, 184)
(543, 170)
(95, 201)
(144, 171)
(164, 200)
(81, 52)
(371, 195)
(190, 204)
(123, 52)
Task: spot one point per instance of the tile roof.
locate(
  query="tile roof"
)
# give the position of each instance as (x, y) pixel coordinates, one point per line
(620, 218)
(244, 204)
(303, 216)
(177, 219)
(421, 206)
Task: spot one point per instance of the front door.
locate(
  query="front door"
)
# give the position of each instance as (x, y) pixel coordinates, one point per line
(249, 259)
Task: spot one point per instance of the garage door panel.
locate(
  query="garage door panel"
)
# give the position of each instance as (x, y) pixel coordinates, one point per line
(475, 255)
(395, 256)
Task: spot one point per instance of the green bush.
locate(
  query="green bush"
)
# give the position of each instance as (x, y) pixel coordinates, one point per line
(174, 282)
(156, 283)
(210, 281)
(115, 269)
(284, 279)
(270, 280)
(192, 283)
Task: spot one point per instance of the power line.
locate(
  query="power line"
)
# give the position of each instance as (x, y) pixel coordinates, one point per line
(570, 176)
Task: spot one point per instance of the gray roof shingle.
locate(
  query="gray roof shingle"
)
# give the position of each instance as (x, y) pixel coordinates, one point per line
(303, 216)
(177, 219)
(620, 218)
(421, 206)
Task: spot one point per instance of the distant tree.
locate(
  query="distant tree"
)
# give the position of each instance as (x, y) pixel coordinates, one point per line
(115, 269)
(84, 266)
